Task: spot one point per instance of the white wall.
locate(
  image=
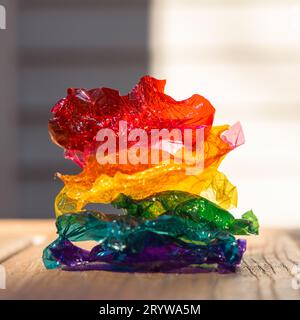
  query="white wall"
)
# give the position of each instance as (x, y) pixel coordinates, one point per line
(244, 56)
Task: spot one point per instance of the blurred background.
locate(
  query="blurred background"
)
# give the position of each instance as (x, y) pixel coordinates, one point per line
(243, 55)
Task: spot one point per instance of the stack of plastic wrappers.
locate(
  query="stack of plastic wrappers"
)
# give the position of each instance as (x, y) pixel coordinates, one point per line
(173, 219)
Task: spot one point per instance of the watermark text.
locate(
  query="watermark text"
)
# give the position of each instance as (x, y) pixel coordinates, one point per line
(2, 18)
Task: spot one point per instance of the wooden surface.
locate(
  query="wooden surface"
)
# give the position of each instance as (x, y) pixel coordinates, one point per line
(266, 271)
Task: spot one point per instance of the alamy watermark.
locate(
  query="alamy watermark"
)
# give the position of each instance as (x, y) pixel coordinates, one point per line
(2, 277)
(296, 276)
(2, 18)
(138, 146)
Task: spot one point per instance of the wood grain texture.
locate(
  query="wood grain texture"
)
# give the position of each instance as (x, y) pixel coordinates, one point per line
(266, 272)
